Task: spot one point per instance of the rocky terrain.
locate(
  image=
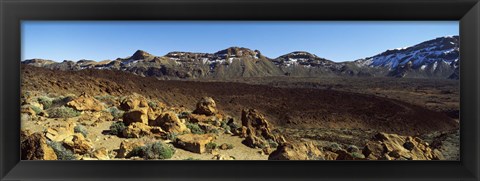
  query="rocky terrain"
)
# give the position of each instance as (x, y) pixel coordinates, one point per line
(437, 58)
(104, 114)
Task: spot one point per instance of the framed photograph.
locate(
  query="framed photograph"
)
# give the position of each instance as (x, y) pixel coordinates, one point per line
(239, 90)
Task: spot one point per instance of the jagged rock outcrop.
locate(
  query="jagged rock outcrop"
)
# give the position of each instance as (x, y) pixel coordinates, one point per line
(257, 130)
(78, 144)
(395, 147)
(139, 115)
(34, 147)
(194, 142)
(126, 147)
(297, 151)
(86, 103)
(206, 106)
(136, 130)
(169, 122)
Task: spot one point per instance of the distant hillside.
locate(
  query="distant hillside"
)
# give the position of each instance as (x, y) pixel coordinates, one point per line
(437, 58)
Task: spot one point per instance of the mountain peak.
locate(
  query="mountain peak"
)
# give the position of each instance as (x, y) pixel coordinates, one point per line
(140, 55)
(237, 52)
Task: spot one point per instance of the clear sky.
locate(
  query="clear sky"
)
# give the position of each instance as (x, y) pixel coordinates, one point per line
(334, 40)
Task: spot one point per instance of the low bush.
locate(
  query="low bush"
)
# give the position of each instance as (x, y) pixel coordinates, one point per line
(81, 129)
(62, 112)
(210, 146)
(183, 115)
(157, 150)
(117, 128)
(115, 112)
(36, 109)
(195, 128)
(171, 136)
(45, 101)
(61, 152)
(191, 158)
(152, 104)
(272, 144)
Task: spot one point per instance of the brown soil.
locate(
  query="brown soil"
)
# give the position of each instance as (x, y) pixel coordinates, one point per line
(284, 107)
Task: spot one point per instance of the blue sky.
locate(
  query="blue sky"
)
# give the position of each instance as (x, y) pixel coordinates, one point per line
(334, 40)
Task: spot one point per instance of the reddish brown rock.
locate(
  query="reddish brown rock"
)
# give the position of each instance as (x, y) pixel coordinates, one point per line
(34, 147)
(169, 122)
(206, 106)
(194, 142)
(126, 148)
(139, 115)
(86, 103)
(256, 129)
(296, 151)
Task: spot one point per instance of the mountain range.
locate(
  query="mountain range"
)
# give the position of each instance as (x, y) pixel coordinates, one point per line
(437, 58)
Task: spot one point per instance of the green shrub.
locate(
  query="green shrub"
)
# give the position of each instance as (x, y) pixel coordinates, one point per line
(62, 112)
(61, 101)
(272, 144)
(81, 129)
(183, 115)
(157, 150)
(335, 147)
(357, 155)
(195, 128)
(61, 152)
(117, 128)
(230, 146)
(152, 104)
(115, 112)
(211, 146)
(225, 126)
(36, 109)
(214, 131)
(231, 123)
(45, 101)
(171, 136)
(191, 158)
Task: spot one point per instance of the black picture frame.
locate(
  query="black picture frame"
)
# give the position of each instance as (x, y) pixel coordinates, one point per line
(12, 12)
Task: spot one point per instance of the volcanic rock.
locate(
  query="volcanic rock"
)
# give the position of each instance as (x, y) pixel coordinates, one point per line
(206, 106)
(34, 147)
(296, 151)
(78, 144)
(139, 114)
(396, 147)
(86, 103)
(126, 148)
(136, 130)
(256, 129)
(169, 122)
(194, 142)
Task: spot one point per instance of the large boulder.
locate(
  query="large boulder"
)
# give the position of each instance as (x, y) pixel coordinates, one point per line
(296, 151)
(136, 130)
(34, 147)
(194, 142)
(78, 144)
(126, 147)
(133, 102)
(60, 133)
(206, 106)
(101, 154)
(396, 147)
(136, 115)
(256, 129)
(169, 122)
(86, 103)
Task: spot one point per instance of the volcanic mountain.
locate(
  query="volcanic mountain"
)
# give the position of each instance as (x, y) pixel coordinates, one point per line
(437, 58)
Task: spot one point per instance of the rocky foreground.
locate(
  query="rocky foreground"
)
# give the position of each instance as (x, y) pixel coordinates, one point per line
(90, 127)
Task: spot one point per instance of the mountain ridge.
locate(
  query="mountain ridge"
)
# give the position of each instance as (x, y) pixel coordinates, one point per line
(436, 58)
